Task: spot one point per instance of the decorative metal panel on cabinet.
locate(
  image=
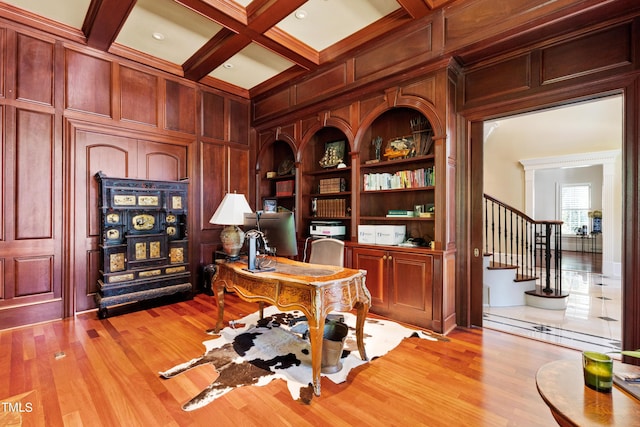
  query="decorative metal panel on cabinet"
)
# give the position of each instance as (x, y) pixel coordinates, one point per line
(144, 242)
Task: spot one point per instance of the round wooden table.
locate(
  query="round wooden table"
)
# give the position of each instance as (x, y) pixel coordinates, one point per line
(561, 386)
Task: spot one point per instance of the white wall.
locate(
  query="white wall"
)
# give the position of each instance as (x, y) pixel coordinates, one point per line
(550, 181)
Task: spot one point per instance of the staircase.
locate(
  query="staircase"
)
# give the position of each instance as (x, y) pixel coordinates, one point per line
(522, 259)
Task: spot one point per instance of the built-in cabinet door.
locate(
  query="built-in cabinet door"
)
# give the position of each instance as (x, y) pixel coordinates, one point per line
(374, 262)
(411, 286)
(115, 157)
(400, 283)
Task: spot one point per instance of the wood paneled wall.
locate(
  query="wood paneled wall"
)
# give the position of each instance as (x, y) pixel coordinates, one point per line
(569, 61)
(68, 111)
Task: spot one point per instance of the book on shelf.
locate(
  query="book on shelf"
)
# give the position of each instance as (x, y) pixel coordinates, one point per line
(331, 208)
(332, 185)
(400, 213)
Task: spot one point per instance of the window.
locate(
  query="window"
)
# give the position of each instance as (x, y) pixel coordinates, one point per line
(575, 200)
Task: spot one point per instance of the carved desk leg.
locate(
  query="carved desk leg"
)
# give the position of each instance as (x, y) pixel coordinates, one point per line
(219, 290)
(210, 273)
(217, 287)
(316, 335)
(363, 309)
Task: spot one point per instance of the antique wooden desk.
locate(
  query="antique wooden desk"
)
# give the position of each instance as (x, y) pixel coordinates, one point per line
(313, 289)
(561, 386)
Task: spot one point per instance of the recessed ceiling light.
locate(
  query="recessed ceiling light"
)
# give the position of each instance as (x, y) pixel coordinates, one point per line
(228, 65)
(301, 14)
(158, 36)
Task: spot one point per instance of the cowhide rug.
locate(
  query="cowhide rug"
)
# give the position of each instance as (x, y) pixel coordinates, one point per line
(255, 352)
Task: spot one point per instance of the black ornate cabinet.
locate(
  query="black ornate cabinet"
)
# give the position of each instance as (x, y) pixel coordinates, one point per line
(144, 242)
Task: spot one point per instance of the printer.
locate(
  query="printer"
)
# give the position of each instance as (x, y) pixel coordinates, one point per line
(334, 229)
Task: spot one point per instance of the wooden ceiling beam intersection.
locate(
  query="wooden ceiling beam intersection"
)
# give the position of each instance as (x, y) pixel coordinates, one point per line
(263, 15)
(214, 53)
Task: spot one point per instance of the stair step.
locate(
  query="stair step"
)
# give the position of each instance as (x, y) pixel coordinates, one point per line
(500, 266)
(539, 292)
(524, 278)
(551, 301)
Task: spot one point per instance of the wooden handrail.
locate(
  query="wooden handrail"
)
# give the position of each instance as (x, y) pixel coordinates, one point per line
(520, 213)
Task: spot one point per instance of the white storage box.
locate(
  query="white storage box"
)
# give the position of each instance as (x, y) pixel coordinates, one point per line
(367, 234)
(390, 234)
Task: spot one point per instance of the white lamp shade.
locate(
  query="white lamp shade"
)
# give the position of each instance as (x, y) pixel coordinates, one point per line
(231, 210)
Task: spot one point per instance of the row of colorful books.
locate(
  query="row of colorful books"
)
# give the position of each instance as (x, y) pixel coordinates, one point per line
(423, 177)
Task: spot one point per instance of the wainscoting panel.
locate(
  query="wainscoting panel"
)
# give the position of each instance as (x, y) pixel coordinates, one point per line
(33, 276)
(180, 107)
(139, 96)
(35, 70)
(34, 195)
(212, 115)
(88, 83)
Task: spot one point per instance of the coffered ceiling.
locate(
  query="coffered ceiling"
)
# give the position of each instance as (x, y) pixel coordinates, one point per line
(241, 45)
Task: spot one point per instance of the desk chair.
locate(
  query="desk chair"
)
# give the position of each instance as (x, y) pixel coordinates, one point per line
(327, 251)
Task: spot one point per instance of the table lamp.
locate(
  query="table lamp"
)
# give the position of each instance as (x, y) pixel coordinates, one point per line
(231, 214)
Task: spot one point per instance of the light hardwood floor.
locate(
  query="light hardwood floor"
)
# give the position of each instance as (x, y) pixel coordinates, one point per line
(108, 376)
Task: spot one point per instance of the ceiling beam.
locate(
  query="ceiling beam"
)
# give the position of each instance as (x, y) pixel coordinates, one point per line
(104, 20)
(434, 4)
(415, 9)
(270, 12)
(214, 53)
(263, 15)
(220, 11)
(289, 47)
